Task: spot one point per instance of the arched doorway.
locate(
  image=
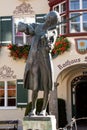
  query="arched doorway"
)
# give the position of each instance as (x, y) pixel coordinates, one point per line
(81, 99)
(79, 96)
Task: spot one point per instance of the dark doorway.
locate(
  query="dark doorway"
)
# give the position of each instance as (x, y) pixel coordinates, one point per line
(81, 99)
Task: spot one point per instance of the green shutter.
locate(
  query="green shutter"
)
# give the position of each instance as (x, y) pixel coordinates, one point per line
(0, 29)
(22, 94)
(6, 30)
(39, 18)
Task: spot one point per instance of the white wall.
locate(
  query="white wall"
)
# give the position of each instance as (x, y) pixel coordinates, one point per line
(8, 6)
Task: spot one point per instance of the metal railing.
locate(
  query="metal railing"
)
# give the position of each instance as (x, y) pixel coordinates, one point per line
(73, 124)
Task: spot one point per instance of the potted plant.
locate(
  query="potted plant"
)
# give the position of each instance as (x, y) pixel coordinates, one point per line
(61, 45)
(18, 52)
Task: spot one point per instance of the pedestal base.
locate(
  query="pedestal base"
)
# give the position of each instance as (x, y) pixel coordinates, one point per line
(39, 123)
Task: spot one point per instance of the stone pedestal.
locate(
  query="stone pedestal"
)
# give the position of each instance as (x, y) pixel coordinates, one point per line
(39, 123)
(53, 103)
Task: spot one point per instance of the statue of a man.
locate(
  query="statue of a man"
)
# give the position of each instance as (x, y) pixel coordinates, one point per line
(38, 73)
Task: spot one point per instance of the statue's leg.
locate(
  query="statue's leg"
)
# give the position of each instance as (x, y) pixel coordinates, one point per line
(34, 102)
(46, 93)
(45, 102)
(34, 92)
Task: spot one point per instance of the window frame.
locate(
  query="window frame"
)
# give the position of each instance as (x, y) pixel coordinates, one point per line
(58, 7)
(81, 22)
(22, 37)
(80, 6)
(71, 6)
(6, 95)
(63, 25)
(21, 97)
(62, 14)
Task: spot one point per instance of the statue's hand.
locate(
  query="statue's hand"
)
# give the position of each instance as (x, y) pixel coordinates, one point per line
(22, 27)
(44, 36)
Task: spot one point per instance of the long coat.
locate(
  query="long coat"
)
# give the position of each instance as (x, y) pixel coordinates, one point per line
(38, 69)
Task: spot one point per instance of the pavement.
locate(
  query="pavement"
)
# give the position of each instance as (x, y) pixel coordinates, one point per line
(80, 125)
(79, 128)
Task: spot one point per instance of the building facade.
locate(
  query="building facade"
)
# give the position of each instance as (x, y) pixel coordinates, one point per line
(70, 68)
(13, 97)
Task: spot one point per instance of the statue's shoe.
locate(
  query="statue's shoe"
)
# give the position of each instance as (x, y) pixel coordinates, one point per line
(43, 113)
(32, 113)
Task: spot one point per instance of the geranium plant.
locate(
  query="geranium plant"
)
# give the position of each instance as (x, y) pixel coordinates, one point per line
(61, 45)
(19, 52)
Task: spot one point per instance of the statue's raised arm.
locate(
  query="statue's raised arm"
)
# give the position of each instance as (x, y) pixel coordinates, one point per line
(27, 29)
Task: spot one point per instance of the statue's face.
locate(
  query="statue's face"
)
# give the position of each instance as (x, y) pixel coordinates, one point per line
(48, 20)
(51, 18)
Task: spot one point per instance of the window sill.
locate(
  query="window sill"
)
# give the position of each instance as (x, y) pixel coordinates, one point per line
(8, 108)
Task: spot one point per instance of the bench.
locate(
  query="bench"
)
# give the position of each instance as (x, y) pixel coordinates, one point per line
(9, 125)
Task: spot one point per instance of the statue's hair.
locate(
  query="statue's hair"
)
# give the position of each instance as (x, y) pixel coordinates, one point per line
(54, 16)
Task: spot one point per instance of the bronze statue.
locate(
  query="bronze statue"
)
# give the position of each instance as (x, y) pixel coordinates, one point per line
(38, 73)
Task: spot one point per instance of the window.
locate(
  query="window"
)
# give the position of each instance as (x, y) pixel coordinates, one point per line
(21, 38)
(84, 16)
(78, 24)
(7, 93)
(63, 7)
(78, 4)
(74, 4)
(84, 4)
(56, 8)
(63, 26)
(75, 23)
(12, 94)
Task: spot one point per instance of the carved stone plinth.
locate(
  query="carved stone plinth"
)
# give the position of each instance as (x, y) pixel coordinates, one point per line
(39, 123)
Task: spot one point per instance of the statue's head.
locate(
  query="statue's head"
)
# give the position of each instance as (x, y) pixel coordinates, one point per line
(52, 18)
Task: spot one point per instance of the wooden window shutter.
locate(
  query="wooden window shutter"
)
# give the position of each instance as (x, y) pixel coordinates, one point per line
(0, 29)
(39, 18)
(22, 94)
(6, 29)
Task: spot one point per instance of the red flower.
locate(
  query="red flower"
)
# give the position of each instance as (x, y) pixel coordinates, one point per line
(10, 46)
(19, 52)
(61, 45)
